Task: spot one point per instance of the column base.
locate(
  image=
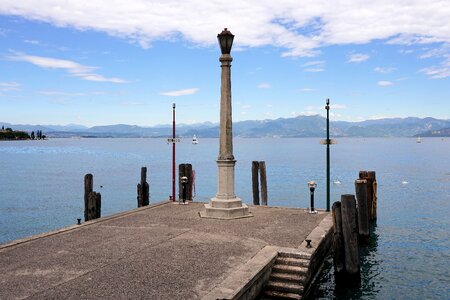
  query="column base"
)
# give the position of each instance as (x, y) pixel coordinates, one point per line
(225, 209)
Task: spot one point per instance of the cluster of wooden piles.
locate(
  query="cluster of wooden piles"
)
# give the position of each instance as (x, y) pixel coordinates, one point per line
(351, 223)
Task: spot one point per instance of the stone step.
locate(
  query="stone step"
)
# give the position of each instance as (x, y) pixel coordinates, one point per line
(284, 287)
(287, 277)
(300, 255)
(291, 261)
(280, 295)
(290, 269)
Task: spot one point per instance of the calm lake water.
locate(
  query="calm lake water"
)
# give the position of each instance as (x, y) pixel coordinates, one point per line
(41, 189)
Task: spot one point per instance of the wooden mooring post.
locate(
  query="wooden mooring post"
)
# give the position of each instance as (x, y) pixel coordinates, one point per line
(350, 233)
(143, 190)
(189, 187)
(255, 182)
(347, 268)
(370, 176)
(338, 240)
(88, 183)
(92, 200)
(363, 211)
(263, 177)
(259, 167)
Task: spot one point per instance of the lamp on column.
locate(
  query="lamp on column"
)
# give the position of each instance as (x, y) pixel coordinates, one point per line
(225, 41)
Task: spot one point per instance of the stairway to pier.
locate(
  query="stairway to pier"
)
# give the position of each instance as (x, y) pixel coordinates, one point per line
(288, 277)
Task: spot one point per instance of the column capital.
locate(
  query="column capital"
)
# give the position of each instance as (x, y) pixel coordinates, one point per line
(225, 158)
(224, 58)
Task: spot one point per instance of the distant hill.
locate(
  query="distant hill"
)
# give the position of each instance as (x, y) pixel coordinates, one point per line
(396, 127)
(301, 126)
(315, 126)
(444, 132)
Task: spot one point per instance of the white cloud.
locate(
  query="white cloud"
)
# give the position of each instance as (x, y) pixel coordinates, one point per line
(338, 106)
(443, 69)
(405, 51)
(314, 70)
(335, 115)
(312, 110)
(307, 90)
(314, 63)
(246, 106)
(384, 70)
(357, 57)
(9, 86)
(314, 66)
(264, 85)
(178, 93)
(60, 93)
(33, 42)
(70, 94)
(437, 72)
(299, 27)
(100, 78)
(303, 113)
(412, 39)
(378, 117)
(73, 68)
(59, 101)
(384, 83)
(131, 103)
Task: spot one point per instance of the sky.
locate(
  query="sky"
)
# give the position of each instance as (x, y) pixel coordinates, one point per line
(125, 62)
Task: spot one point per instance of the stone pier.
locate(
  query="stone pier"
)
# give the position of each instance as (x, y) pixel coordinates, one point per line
(161, 251)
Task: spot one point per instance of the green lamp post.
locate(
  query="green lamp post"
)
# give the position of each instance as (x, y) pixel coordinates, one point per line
(327, 107)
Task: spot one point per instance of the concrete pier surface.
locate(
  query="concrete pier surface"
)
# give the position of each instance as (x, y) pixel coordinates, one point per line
(162, 251)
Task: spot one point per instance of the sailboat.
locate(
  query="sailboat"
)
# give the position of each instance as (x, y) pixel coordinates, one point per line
(194, 140)
(418, 140)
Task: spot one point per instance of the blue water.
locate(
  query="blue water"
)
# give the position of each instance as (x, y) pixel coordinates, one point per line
(41, 189)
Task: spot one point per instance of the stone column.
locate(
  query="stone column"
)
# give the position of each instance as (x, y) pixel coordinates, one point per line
(226, 123)
(225, 160)
(225, 205)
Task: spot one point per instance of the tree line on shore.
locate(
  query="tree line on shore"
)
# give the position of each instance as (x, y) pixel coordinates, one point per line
(10, 134)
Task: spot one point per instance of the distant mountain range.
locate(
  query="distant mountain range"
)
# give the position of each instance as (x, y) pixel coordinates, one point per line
(301, 126)
(444, 132)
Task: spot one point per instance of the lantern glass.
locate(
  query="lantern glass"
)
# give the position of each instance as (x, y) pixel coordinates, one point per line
(225, 41)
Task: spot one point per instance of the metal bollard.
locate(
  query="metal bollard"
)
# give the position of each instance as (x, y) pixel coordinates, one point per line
(312, 186)
(184, 181)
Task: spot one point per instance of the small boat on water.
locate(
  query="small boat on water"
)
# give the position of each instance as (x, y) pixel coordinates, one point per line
(194, 140)
(419, 140)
